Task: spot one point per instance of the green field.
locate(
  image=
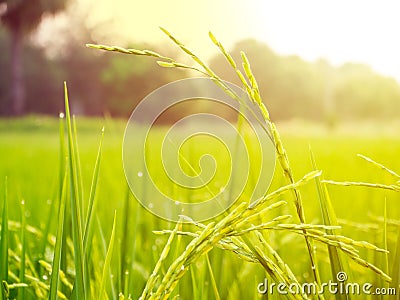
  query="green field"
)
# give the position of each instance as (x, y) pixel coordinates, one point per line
(29, 158)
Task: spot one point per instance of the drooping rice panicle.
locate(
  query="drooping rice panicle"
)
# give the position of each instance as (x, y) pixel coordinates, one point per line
(392, 187)
(370, 160)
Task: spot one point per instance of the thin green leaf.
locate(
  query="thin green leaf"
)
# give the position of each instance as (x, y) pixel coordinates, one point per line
(21, 292)
(395, 274)
(57, 250)
(79, 286)
(4, 241)
(107, 262)
(61, 173)
(337, 263)
(78, 169)
(125, 242)
(213, 283)
(88, 233)
(103, 250)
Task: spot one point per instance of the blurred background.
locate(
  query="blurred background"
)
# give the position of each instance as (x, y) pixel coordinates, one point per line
(328, 62)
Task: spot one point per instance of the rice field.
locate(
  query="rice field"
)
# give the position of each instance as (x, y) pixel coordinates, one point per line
(327, 227)
(30, 161)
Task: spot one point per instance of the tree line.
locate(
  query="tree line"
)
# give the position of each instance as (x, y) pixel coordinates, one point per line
(113, 84)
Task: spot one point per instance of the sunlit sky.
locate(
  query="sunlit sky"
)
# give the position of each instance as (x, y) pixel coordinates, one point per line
(340, 31)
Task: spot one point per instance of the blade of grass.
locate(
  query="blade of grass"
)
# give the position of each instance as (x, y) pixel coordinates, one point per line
(103, 252)
(135, 235)
(194, 284)
(79, 286)
(213, 283)
(21, 292)
(107, 262)
(395, 272)
(57, 250)
(67, 234)
(88, 233)
(61, 171)
(4, 242)
(385, 242)
(329, 218)
(124, 241)
(78, 169)
(381, 259)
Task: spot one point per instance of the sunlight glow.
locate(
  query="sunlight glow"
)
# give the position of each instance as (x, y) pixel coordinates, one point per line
(340, 31)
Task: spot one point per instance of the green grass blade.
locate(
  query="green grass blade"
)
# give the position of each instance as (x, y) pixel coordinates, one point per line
(61, 157)
(125, 241)
(194, 283)
(79, 286)
(381, 259)
(57, 250)
(67, 234)
(21, 292)
(329, 219)
(107, 262)
(213, 283)
(4, 240)
(88, 231)
(103, 251)
(78, 169)
(385, 243)
(61, 172)
(135, 235)
(395, 274)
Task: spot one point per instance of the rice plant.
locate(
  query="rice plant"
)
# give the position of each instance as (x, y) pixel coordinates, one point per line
(78, 253)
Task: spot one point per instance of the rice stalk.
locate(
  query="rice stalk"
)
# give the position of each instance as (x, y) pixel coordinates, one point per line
(4, 244)
(79, 286)
(395, 271)
(221, 234)
(154, 275)
(107, 262)
(213, 283)
(392, 187)
(370, 160)
(88, 229)
(54, 279)
(21, 292)
(337, 262)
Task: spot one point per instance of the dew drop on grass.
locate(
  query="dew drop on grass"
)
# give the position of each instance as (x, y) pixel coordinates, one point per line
(61, 115)
(140, 174)
(23, 202)
(45, 277)
(151, 205)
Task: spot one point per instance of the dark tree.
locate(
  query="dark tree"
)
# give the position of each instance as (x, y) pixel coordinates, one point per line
(21, 17)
